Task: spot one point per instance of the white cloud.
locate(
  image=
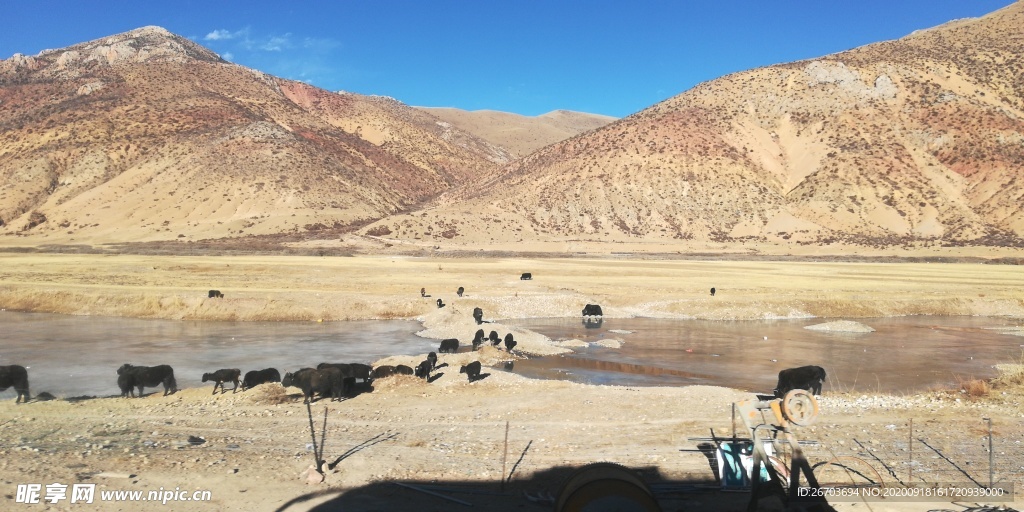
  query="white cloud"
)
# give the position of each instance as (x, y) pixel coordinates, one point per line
(277, 43)
(299, 57)
(244, 40)
(219, 34)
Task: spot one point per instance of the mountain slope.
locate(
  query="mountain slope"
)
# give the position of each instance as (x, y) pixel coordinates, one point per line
(909, 143)
(520, 135)
(147, 136)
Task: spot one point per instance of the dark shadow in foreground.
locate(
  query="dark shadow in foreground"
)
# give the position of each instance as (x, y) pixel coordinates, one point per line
(561, 488)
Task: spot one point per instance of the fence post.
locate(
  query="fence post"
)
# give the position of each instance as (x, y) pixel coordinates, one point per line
(734, 421)
(504, 458)
(910, 449)
(990, 453)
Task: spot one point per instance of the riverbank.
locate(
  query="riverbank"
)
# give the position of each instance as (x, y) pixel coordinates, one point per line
(307, 288)
(252, 449)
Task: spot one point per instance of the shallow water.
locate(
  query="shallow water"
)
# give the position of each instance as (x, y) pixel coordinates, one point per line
(903, 354)
(79, 355)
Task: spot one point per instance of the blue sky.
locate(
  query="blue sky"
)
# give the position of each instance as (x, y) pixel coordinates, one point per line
(523, 56)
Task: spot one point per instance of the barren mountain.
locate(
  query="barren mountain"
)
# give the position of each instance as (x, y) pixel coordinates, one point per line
(146, 135)
(916, 142)
(520, 135)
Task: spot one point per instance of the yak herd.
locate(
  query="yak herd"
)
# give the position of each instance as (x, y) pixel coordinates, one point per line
(339, 380)
(327, 380)
(336, 380)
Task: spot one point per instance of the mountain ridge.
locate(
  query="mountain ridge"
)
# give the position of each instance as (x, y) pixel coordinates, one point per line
(519, 134)
(907, 143)
(146, 135)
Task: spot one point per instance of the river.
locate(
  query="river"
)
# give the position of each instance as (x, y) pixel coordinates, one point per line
(903, 354)
(78, 355)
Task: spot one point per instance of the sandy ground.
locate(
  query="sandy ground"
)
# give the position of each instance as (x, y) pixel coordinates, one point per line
(450, 433)
(252, 450)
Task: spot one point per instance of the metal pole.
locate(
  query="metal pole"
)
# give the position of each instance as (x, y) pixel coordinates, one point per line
(312, 433)
(432, 493)
(504, 457)
(990, 453)
(734, 421)
(910, 449)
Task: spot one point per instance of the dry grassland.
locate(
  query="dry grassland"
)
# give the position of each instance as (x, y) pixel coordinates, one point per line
(388, 287)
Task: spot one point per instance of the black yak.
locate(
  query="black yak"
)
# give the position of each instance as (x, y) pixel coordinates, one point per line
(383, 371)
(127, 385)
(150, 376)
(472, 370)
(256, 377)
(423, 369)
(15, 376)
(804, 377)
(449, 346)
(221, 376)
(325, 381)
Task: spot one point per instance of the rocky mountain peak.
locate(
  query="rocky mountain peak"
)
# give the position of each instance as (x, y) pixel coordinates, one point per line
(150, 43)
(143, 44)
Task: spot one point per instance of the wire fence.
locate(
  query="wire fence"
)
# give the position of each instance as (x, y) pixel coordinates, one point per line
(918, 459)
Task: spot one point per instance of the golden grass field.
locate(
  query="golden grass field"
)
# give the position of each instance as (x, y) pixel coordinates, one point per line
(388, 287)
